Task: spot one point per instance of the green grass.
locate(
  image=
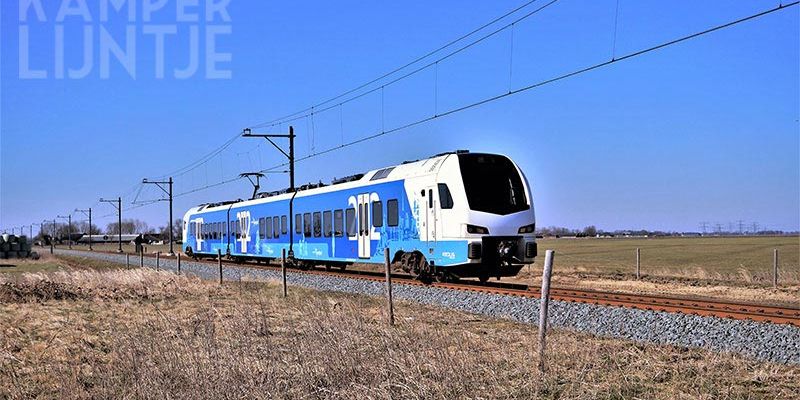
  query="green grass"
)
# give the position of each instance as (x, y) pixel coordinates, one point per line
(749, 258)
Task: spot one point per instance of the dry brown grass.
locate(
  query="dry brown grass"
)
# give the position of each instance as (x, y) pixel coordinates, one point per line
(147, 334)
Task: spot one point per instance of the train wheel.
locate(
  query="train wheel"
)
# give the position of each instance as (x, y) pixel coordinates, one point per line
(446, 278)
(305, 265)
(415, 264)
(342, 267)
(327, 267)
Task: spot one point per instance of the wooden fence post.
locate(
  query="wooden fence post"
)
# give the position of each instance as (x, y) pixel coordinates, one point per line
(179, 263)
(283, 272)
(544, 302)
(775, 268)
(389, 304)
(127, 260)
(638, 263)
(219, 261)
(158, 260)
(141, 259)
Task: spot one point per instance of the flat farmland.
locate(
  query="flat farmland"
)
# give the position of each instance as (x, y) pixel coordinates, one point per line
(746, 259)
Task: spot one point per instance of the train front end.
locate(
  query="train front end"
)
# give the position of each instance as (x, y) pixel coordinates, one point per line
(493, 204)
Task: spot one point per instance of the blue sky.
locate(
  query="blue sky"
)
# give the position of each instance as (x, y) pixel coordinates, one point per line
(706, 130)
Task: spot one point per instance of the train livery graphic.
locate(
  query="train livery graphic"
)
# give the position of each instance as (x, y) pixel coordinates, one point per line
(453, 215)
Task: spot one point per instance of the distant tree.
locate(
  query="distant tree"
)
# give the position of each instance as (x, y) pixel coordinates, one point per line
(177, 230)
(129, 226)
(83, 227)
(556, 231)
(590, 231)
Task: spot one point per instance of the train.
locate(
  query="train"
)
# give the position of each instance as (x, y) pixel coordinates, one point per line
(451, 216)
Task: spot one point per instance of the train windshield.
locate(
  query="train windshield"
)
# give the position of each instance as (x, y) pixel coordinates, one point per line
(492, 183)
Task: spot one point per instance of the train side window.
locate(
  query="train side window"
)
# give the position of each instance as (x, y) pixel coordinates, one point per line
(238, 229)
(430, 198)
(338, 223)
(307, 225)
(350, 216)
(392, 217)
(213, 230)
(219, 230)
(327, 224)
(377, 214)
(268, 227)
(276, 227)
(261, 228)
(317, 224)
(283, 224)
(445, 199)
(298, 223)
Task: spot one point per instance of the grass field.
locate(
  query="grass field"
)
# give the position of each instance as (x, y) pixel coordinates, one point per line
(747, 259)
(96, 331)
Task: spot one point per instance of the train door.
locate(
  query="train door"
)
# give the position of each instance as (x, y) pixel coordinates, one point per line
(429, 216)
(363, 211)
(198, 233)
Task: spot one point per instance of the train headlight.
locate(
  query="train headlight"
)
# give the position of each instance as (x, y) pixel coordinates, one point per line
(477, 229)
(528, 228)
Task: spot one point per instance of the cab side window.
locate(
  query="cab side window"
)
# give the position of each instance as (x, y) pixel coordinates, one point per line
(445, 199)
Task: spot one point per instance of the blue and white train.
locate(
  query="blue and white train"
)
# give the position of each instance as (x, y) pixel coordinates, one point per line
(454, 215)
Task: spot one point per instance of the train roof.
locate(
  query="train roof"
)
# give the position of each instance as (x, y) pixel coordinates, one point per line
(405, 170)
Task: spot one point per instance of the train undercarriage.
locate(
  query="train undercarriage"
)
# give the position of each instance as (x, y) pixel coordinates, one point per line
(413, 263)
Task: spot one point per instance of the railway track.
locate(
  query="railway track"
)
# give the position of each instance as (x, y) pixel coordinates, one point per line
(673, 304)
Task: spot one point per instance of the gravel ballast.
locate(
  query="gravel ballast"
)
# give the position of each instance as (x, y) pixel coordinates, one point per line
(764, 341)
